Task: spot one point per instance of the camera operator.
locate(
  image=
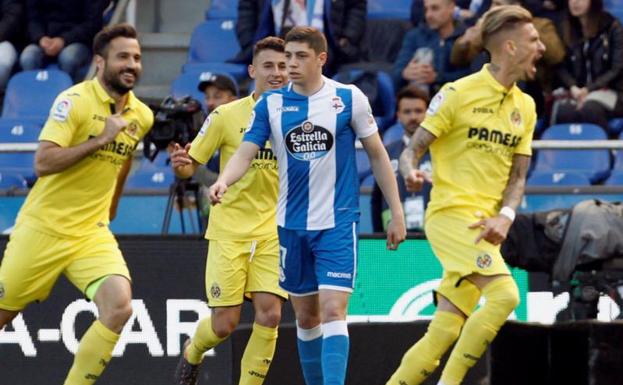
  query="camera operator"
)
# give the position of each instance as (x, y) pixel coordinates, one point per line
(218, 89)
(243, 253)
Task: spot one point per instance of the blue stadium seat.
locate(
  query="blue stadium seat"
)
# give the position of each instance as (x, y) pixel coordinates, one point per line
(31, 93)
(222, 9)
(594, 164)
(21, 163)
(616, 179)
(384, 109)
(19, 130)
(150, 176)
(12, 180)
(187, 82)
(214, 41)
(389, 9)
(363, 164)
(615, 126)
(558, 179)
(615, 7)
(393, 134)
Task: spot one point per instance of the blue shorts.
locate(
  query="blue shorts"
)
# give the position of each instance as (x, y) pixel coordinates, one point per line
(322, 259)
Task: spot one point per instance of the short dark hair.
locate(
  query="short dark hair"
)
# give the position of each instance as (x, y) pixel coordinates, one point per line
(411, 92)
(270, 42)
(102, 40)
(310, 35)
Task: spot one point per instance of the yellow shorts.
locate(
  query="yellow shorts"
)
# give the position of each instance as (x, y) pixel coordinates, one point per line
(453, 244)
(33, 261)
(236, 269)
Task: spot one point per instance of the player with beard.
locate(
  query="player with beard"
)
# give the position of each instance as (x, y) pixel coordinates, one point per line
(82, 161)
(479, 130)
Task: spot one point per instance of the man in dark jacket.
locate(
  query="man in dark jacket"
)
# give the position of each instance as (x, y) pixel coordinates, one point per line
(11, 21)
(61, 31)
(424, 58)
(343, 22)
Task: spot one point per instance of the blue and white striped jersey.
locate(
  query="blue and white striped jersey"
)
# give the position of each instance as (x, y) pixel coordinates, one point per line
(314, 141)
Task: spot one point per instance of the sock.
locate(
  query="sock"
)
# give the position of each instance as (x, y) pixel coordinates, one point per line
(502, 296)
(335, 345)
(94, 353)
(203, 340)
(258, 355)
(309, 343)
(423, 357)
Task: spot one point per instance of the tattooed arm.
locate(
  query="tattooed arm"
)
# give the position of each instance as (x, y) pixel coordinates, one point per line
(494, 230)
(411, 156)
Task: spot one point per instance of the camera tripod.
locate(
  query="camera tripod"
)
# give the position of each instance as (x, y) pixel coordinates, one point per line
(178, 191)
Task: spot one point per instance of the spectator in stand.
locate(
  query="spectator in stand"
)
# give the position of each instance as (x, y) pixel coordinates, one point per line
(467, 50)
(343, 22)
(592, 72)
(11, 21)
(62, 32)
(218, 89)
(466, 11)
(424, 57)
(410, 112)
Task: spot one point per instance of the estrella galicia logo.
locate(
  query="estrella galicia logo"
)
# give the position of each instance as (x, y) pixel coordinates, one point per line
(308, 142)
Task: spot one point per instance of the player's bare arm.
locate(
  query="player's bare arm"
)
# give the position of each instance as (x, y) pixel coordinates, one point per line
(51, 158)
(384, 175)
(494, 230)
(235, 169)
(121, 178)
(411, 157)
(183, 165)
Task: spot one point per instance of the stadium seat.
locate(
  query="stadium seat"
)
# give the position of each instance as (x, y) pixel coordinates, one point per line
(393, 134)
(222, 9)
(31, 93)
(214, 41)
(19, 130)
(384, 101)
(389, 9)
(150, 176)
(615, 126)
(187, 82)
(616, 179)
(21, 163)
(615, 7)
(558, 179)
(363, 164)
(594, 164)
(11, 180)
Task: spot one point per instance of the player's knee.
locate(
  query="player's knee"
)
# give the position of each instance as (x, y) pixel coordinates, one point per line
(224, 323)
(6, 316)
(333, 310)
(268, 317)
(121, 312)
(503, 294)
(307, 321)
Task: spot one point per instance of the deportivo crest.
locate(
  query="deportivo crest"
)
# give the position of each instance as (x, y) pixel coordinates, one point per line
(484, 261)
(215, 290)
(337, 105)
(516, 117)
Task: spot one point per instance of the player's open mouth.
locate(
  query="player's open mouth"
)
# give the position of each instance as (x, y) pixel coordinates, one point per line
(275, 83)
(128, 76)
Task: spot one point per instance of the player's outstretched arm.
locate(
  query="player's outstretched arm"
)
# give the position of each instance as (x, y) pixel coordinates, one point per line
(51, 158)
(235, 169)
(495, 230)
(384, 175)
(411, 156)
(183, 165)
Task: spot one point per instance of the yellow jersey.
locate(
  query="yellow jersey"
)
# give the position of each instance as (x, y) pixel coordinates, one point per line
(479, 125)
(248, 210)
(76, 201)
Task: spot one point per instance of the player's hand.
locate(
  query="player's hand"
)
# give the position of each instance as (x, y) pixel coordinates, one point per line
(494, 230)
(396, 232)
(180, 157)
(415, 180)
(217, 190)
(112, 127)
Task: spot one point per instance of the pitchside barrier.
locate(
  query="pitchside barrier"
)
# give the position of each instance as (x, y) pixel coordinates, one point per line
(389, 312)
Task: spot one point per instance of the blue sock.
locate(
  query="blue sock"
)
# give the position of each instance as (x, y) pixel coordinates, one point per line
(309, 342)
(334, 352)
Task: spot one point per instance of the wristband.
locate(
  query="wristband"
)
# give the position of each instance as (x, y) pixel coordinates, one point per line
(508, 212)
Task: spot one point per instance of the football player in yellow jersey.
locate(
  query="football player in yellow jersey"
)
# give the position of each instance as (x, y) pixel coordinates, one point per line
(82, 161)
(479, 131)
(243, 253)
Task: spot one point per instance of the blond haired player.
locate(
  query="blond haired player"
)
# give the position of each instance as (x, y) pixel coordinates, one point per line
(243, 253)
(479, 130)
(82, 161)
